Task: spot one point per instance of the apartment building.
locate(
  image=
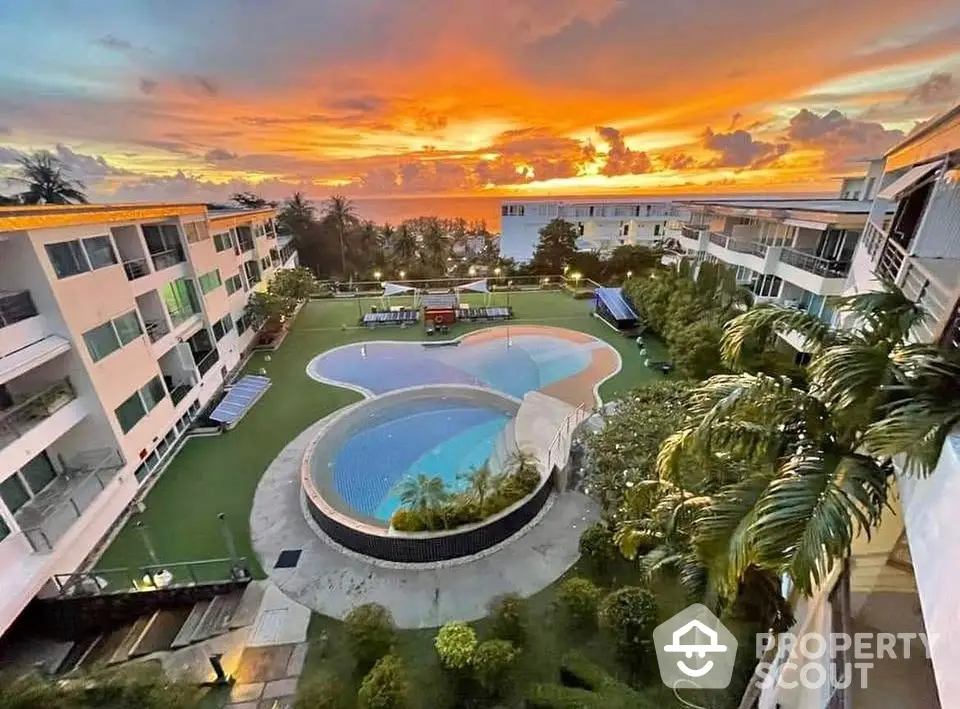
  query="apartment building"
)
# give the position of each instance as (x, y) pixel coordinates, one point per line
(118, 323)
(603, 224)
(902, 579)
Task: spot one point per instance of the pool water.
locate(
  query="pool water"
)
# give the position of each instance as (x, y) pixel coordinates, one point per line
(522, 364)
(437, 437)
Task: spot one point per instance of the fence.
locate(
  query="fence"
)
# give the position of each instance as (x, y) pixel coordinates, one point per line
(150, 577)
(559, 448)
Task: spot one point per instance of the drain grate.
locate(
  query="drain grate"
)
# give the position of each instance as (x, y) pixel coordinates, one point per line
(288, 559)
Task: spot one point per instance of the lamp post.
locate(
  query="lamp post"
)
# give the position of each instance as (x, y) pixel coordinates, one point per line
(629, 274)
(377, 274)
(402, 275)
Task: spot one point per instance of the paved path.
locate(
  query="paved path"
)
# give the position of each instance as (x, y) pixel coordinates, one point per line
(332, 581)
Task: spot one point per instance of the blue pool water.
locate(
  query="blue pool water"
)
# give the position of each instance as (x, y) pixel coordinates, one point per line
(442, 438)
(530, 362)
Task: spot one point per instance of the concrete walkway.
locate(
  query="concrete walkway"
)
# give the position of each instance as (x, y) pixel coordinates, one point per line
(332, 581)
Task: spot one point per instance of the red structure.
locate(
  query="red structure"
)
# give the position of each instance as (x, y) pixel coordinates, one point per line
(440, 308)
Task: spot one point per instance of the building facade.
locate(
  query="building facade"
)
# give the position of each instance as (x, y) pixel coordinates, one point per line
(118, 324)
(603, 224)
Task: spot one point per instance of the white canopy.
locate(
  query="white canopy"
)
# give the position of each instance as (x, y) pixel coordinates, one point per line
(396, 289)
(906, 182)
(476, 287)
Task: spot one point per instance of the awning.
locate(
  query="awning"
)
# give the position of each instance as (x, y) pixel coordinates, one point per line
(33, 355)
(475, 287)
(395, 289)
(907, 181)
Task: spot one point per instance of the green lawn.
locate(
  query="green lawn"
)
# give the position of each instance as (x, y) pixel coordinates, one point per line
(220, 474)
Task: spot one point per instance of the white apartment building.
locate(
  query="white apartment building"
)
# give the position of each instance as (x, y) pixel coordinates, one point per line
(903, 579)
(603, 224)
(118, 323)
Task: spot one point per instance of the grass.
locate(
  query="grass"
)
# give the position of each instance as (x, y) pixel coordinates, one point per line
(220, 474)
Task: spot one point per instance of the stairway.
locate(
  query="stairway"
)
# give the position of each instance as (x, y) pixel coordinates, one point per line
(160, 631)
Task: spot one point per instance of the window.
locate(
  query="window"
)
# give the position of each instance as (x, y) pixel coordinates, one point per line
(67, 258)
(265, 264)
(195, 232)
(128, 327)
(222, 327)
(4, 530)
(100, 252)
(38, 473)
(251, 271)
(210, 281)
(222, 241)
(656, 230)
(181, 299)
(241, 324)
(13, 493)
(101, 341)
(153, 393)
(152, 460)
(130, 412)
(141, 472)
(233, 284)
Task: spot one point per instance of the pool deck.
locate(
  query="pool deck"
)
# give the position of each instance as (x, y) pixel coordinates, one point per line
(332, 581)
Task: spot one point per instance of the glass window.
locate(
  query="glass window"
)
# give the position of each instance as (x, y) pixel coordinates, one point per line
(38, 473)
(101, 341)
(128, 327)
(130, 412)
(222, 241)
(162, 448)
(153, 393)
(152, 460)
(67, 258)
(233, 284)
(195, 232)
(241, 325)
(4, 530)
(170, 437)
(141, 472)
(100, 251)
(13, 493)
(181, 300)
(210, 280)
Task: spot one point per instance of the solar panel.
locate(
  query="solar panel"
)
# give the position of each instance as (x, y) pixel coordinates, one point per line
(241, 397)
(617, 305)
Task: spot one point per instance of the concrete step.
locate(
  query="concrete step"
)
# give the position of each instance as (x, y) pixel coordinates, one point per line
(101, 653)
(122, 651)
(160, 632)
(78, 653)
(217, 618)
(185, 635)
(249, 606)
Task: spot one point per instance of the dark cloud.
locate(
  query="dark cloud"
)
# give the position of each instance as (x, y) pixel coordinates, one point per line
(620, 159)
(174, 146)
(147, 86)
(358, 104)
(676, 161)
(114, 43)
(202, 84)
(86, 166)
(739, 149)
(941, 87)
(430, 121)
(219, 155)
(840, 138)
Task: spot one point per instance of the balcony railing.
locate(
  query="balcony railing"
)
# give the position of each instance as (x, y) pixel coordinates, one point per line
(245, 244)
(156, 329)
(745, 246)
(815, 264)
(168, 258)
(26, 415)
(205, 361)
(691, 232)
(890, 260)
(719, 239)
(49, 515)
(136, 268)
(178, 318)
(179, 392)
(16, 306)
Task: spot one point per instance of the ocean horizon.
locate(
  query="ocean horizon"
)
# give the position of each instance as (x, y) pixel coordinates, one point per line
(487, 207)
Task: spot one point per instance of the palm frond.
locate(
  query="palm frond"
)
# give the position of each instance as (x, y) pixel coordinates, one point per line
(759, 324)
(917, 429)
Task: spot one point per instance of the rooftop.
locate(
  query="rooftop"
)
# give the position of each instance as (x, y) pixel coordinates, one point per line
(830, 206)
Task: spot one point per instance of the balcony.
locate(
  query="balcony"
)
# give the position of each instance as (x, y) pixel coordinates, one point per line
(156, 329)
(136, 268)
(50, 515)
(745, 246)
(825, 268)
(179, 393)
(719, 239)
(23, 417)
(206, 360)
(16, 306)
(168, 258)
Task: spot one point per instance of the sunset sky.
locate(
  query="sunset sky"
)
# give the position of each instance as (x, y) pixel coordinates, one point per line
(191, 100)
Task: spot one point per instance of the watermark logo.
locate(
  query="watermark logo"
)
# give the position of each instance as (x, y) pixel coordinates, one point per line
(695, 650)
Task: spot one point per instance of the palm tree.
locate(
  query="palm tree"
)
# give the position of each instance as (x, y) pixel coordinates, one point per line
(436, 245)
(341, 211)
(421, 493)
(405, 245)
(385, 242)
(297, 213)
(47, 180)
(481, 482)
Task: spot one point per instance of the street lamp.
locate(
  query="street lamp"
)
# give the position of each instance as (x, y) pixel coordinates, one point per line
(402, 275)
(629, 274)
(472, 271)
(377, 274)
(496, 271)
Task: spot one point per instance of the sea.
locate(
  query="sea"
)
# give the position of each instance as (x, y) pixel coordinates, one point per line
(487, 207)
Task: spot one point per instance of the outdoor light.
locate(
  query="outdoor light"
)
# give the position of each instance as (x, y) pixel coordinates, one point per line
(546, 280)
(402, 274)
(565, 269)
(629, 274)
(496, 271)
(377, 274)
(472, 271)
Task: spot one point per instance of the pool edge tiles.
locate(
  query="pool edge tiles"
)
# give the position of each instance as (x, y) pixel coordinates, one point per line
(579, 387)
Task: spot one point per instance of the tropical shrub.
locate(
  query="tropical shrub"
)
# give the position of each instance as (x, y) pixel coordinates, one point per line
(321, 691)
(585, 686)
(508, 619)
(370, 633)
(455, 644)
(579, 598)
(597, 546)
(385, 686)
(492, 661)
(630, 615)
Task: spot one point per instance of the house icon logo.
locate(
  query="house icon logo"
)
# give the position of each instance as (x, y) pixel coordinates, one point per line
(695, 650)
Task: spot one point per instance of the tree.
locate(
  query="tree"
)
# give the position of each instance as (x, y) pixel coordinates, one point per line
(405, 245)
(629, 614)
(436, 245)
(492, 661)
(579, 599)
(385, 686)
(480, 482)
(557, 246)
(295, 283)
(297, 213)
(6, 201)
(455, 644)
(640, 261)
(370, 633)
(508, 618)
(47, 180)
(341, 212)
(321, 691)
(585, 686)
(268, 308)
(597, 546)
(421, 493)
(251, 200)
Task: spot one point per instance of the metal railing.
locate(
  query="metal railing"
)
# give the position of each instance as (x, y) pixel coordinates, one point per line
(205, 363)
(136, 268)
(150, 577)
(16, 306)
(156, 329)
(932, 298)
(746, 246)
(178, 318)
(559, 449)
(873, 239)
(719, 239)
(168, 258)
(36, 408)
(815, 264)
(179, 392)
(890, 260)
(879, 213)
(51, 514)
(688, 231)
